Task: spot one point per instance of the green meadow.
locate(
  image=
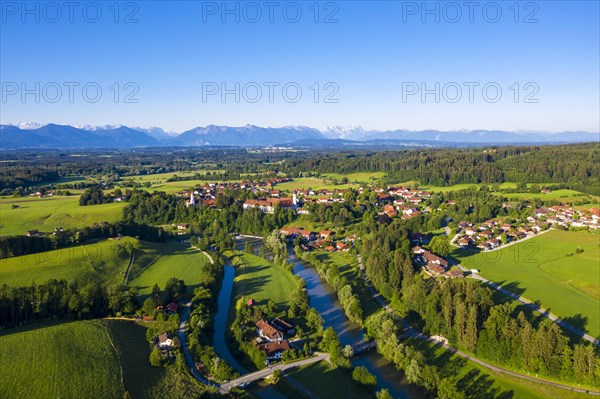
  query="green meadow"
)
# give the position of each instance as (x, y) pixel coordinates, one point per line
(53, 361)
(46, 214)
(261, 280)
(176, 260)
(303, 183)
(103, 261)
(547, 269)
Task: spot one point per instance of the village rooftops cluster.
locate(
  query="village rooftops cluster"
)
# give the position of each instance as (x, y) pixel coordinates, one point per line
(323, 239)
(566, 216)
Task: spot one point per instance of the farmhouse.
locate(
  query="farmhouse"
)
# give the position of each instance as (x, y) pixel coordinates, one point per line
(268, 332)
(165, 341)
(274, 350)
(283, 326)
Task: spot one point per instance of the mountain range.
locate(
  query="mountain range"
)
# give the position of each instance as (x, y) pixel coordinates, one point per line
(53, 136)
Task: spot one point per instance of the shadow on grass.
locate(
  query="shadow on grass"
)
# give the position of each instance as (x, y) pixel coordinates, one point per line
(476, 385)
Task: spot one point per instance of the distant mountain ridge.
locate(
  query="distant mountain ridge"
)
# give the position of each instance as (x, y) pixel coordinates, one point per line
(54, 136)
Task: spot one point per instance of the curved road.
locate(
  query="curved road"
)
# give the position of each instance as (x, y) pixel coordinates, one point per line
(412, 333)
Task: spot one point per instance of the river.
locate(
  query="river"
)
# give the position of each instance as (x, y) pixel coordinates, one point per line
(324, 299)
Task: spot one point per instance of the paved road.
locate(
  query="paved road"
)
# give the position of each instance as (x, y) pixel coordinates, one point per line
(412, 333)
(189, 359)
(260, 374)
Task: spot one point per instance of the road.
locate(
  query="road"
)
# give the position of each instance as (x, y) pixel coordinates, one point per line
(410, 332)
(189, 359)
(260, 374)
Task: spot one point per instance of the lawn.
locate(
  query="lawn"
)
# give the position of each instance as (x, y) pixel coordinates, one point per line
(104, 261)
(70, 360)
(548, 270)
(326, 382)
(261, 280)
(314, 183)
(479, 382)
(46, 214)
(361, 177)
(177, 260)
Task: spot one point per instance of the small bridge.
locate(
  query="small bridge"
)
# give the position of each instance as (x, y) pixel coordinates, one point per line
(364, 347)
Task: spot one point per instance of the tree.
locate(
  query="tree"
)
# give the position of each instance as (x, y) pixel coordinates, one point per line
(440, 245)
(156, 358)
(156, 292)
(348, 352)
(361, 375)
(447, 390)
(176, 288)
(276, 376)
(384, 394)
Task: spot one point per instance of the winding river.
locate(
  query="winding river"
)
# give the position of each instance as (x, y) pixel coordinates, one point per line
(324, 299)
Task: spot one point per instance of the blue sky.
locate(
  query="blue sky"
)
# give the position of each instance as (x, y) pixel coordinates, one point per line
(369, 62)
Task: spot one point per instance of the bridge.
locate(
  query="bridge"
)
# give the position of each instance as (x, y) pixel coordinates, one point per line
(261, 374)
(364, 347)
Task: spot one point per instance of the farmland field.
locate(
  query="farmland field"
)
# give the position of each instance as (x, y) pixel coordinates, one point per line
(261, 280)
(46, 214)
(104, 261)
(304, 183)
(548, 269)
(364, 177)
(55, 361)
(178, 261)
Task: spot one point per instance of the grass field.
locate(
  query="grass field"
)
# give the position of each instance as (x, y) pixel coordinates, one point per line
(478, 382)
(304, 183)
(260, 280)
(71, 360)
(361, 177)
(328, 383)
(45, 214)
(176, 260)
(104, 261)
(540, 270)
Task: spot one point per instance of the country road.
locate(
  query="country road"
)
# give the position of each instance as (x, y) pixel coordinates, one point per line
(531, 305)
(260, 374)
(413, 333)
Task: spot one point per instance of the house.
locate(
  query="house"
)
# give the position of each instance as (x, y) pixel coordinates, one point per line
(325, 234)
(452, 274)
(470, 231)
(172, 307)
(418, 250)
(251, 302)
(342, 247)
(182, 226)
(274, 350)
(433, 258)
(330, 248)
(34, 233)
(165, 341)
(283, 326)
(268, 332)
(464, 242)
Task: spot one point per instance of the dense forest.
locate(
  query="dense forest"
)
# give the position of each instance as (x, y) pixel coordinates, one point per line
(577, 165)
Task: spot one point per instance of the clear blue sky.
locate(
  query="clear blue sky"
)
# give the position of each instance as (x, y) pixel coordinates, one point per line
(373, 55)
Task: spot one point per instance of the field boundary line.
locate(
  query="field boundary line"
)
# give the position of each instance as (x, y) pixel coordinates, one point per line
(147, 266)
(110, 339)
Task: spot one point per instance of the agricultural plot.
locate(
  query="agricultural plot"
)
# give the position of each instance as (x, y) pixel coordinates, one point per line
(104, 261)
(548, 269)
(360, 177)
(313, 183)
(260, 280)
(176, 260)
(18, 215)
(70, 360)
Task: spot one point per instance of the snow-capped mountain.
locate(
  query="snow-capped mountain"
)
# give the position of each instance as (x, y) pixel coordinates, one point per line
(352, 132)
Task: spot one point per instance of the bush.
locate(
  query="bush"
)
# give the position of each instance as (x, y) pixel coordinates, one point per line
(361, 375)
